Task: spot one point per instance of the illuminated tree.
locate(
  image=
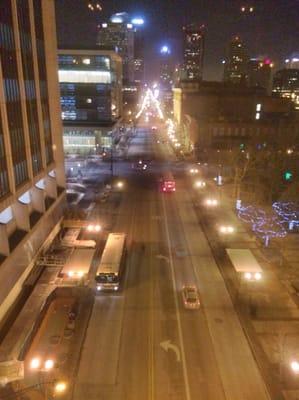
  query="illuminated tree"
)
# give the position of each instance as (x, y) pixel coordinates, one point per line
(288, 212)
(265, 225)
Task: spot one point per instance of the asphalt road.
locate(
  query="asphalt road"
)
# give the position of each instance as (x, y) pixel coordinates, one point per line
(141, 343)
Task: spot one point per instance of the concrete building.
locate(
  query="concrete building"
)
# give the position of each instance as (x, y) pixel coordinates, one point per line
(235, 64)
(228, 115)
(193, 47)
(286, 84)
(32, 176)
(260, 73)
(91, 97)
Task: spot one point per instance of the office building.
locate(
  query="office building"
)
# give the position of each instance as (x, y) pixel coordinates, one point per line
(91, 96)
(193, 47)
(166, 68)
(228, 115)
(235, 64)
(139, 64)
(286, 84)
(31, 156)
(118, 34)
(260, 73)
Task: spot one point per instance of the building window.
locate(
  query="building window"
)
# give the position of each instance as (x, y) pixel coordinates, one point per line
(12, 93)
(44, 96)
(30, 89)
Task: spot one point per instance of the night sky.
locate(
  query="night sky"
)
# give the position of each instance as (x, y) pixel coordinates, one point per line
(272, 30)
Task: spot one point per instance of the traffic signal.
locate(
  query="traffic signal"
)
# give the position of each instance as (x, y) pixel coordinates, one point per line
(288, 175)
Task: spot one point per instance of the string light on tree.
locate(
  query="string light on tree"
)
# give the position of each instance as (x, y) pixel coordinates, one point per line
(265, 225)
(288, 212)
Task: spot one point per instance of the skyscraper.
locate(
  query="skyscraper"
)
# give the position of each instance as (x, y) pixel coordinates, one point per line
(235, 66)
(166, 68)
(31, 156)
(139, 65)
(193, 46)
(118, 34)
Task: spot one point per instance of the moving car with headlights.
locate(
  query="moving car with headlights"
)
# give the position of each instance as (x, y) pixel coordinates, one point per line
(190, 297)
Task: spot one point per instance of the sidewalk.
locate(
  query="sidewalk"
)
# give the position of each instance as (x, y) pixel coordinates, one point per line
(277, 314)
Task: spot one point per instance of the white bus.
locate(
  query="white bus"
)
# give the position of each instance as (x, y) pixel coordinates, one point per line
(111, 266)
(78, 264)
(245, 263)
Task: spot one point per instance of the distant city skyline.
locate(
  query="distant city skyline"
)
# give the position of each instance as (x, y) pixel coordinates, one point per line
(270, 29)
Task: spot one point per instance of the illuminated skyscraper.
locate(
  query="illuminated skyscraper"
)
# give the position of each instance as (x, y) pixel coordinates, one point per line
(119, 34)
(235, 66)
(193, 46)
(32, 178)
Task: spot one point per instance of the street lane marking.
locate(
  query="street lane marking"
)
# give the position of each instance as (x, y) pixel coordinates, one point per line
(180, 331)
(151, 366)
(167, 345)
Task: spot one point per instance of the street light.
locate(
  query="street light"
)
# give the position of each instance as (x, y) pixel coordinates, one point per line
(119, 185)
(60, 387)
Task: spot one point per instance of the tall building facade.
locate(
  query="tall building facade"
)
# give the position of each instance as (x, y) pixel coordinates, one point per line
(118, 34)
(31, 157)
(166, 68)
(286, 84)
(235, 66)
(193, 47)
(139, 62)
(260, 73)
(90, 96)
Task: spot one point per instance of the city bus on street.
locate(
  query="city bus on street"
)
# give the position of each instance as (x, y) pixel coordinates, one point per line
(112, 263)
(167, 182)
(78, 264)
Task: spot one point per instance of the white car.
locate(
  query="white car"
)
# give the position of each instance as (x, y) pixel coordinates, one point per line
(190, 297)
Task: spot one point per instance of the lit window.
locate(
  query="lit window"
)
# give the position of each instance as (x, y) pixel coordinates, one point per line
(258, 107)
(257, 115)
(89, 101)
(86, 61)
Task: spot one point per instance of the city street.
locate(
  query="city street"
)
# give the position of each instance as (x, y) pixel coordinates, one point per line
(142, 343)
